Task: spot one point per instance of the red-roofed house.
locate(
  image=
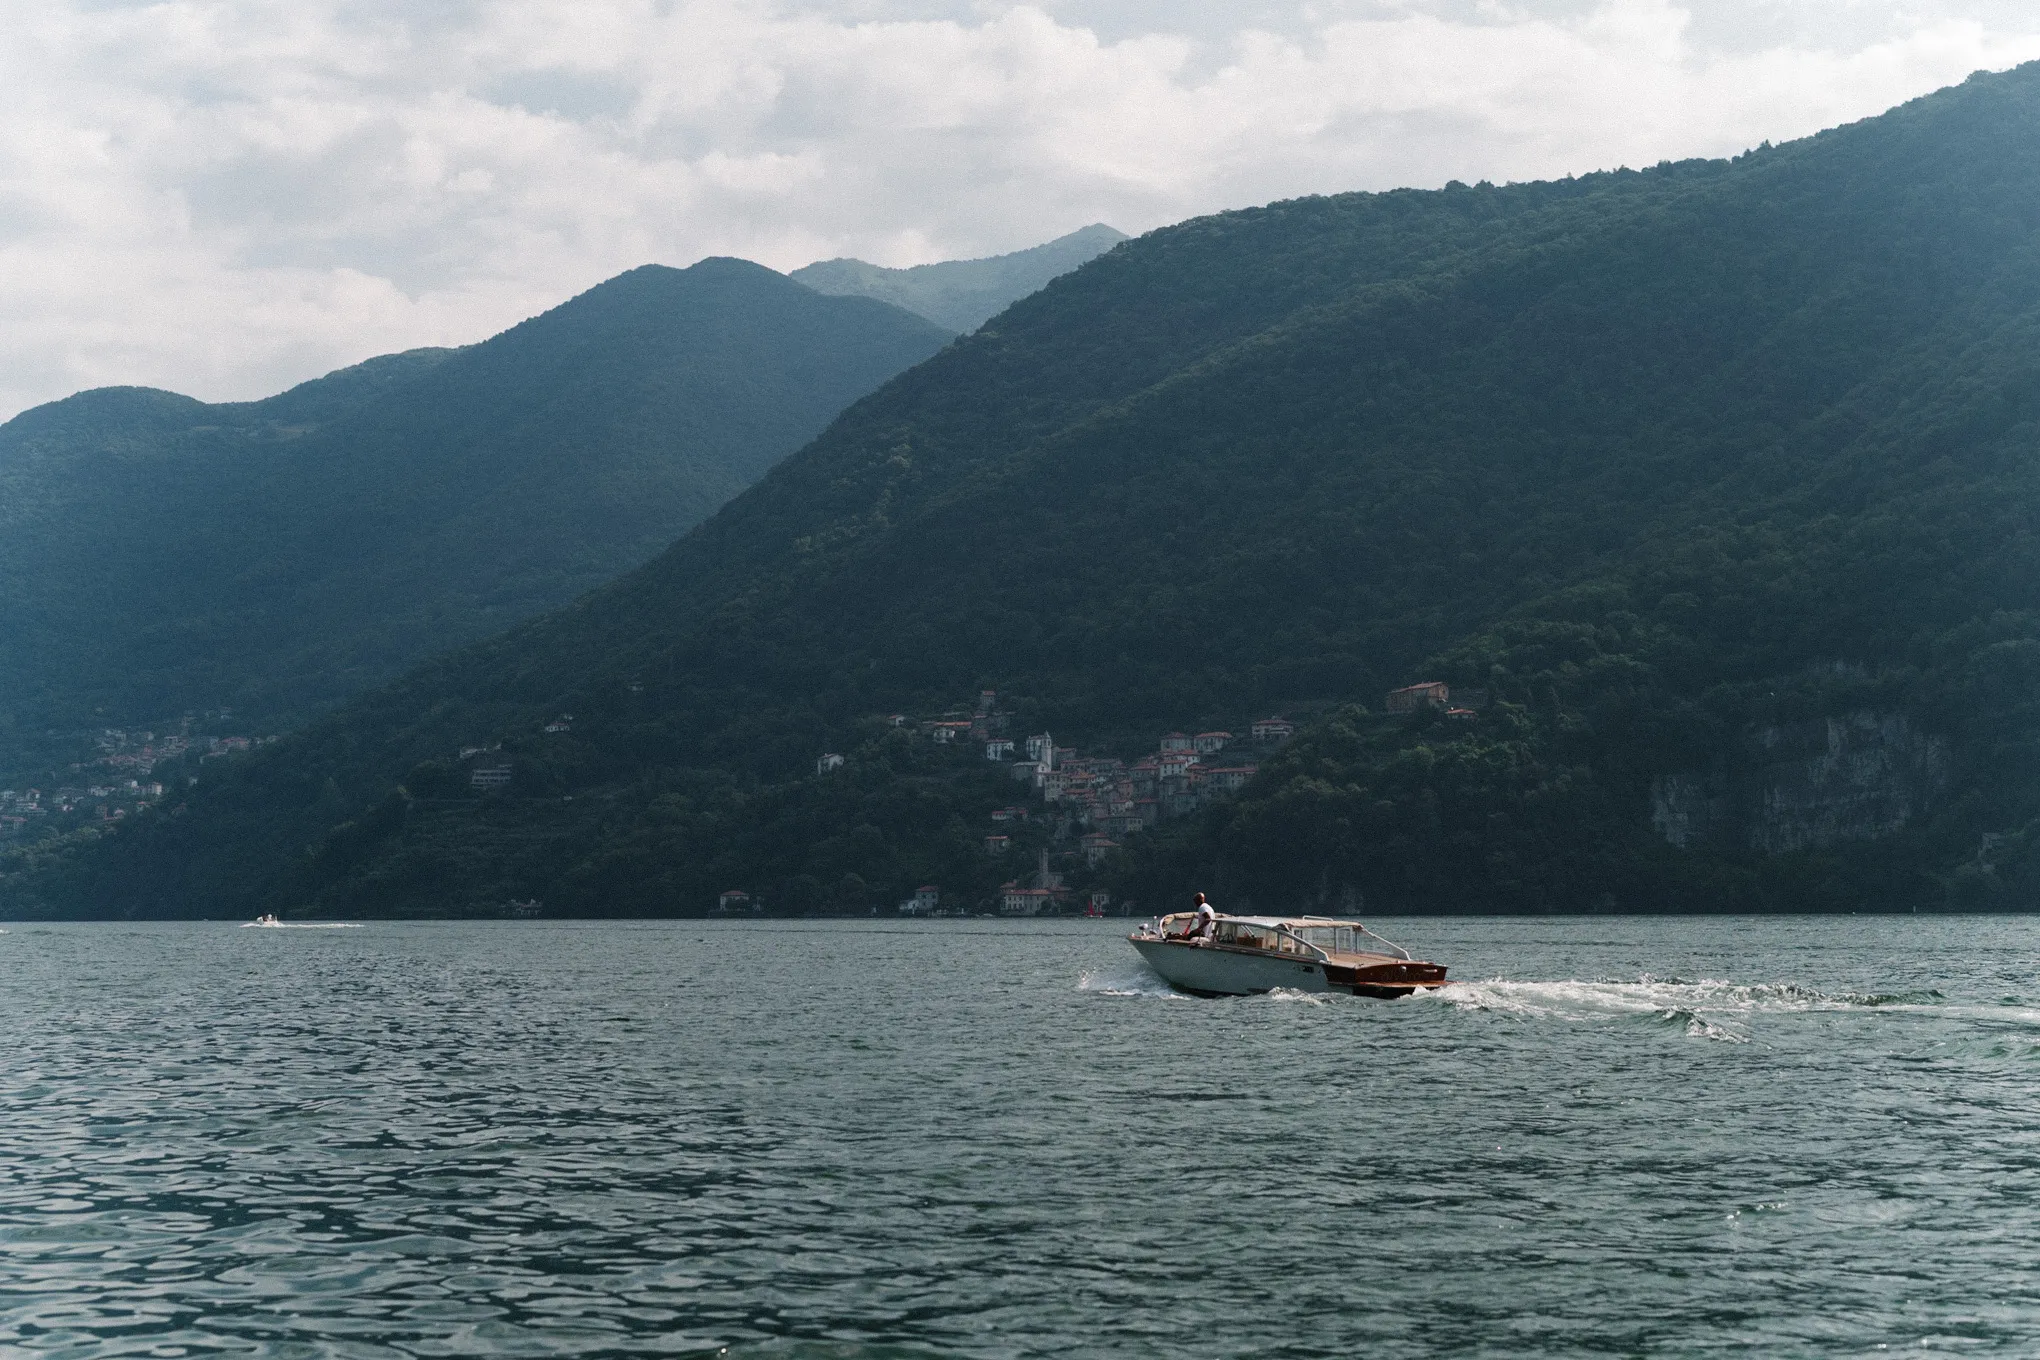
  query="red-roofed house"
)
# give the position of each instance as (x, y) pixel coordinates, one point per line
(1229, 778)
(1410, 698)
(1015, 900)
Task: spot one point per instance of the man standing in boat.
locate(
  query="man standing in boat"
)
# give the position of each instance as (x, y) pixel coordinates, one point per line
(1205, 927)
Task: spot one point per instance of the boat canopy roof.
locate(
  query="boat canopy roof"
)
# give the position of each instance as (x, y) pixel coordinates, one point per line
(1281, 922)
(1325, 935)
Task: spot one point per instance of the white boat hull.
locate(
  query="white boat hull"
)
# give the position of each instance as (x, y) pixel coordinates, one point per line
(1204, 970)
(1222, 970)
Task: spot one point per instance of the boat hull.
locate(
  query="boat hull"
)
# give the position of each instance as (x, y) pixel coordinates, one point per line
(1218, 970)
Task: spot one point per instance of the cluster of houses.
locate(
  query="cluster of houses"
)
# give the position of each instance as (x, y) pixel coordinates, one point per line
(1107, 796)
(1113, 797)
(21, 810)
(1045, 892)
(117, 780)
(138, 753)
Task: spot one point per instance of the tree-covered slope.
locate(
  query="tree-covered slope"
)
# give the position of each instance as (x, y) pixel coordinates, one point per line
(276, 556)
(962, 294)
(1720, 478)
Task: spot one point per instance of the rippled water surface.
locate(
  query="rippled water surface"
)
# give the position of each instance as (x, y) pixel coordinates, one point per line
(1619, 1137)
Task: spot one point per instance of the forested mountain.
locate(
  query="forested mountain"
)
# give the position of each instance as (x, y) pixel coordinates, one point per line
(1720, 478)
(162, 554)
(962, 294)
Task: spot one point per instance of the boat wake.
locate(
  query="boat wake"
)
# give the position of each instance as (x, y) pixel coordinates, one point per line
(300, 925)
(1133, 980)
(1290, 994)
(1706, 1009)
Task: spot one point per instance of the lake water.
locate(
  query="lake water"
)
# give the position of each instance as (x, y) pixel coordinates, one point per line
(1622, 1137)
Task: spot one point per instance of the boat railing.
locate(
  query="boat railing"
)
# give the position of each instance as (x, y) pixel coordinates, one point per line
(1388, 946)
(1159, 928)
(1391, 945)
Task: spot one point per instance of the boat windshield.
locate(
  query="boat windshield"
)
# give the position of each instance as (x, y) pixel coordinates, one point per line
(1252, 937)
(1337, 939)
(1274, 940)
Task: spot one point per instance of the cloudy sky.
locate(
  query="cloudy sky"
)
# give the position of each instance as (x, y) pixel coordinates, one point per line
(223, 197)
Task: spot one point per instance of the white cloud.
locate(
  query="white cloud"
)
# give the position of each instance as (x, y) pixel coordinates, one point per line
(225, 196)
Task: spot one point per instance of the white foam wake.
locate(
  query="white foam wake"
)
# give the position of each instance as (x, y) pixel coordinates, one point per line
(1290, 994)
(1134, 979)
(1708, 1008)
(301, 925)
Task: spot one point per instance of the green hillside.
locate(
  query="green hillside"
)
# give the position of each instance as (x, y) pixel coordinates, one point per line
(1718, 477)
(273, 557)
(962, 294)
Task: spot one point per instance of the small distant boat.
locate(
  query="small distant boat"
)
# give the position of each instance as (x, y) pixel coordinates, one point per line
(1246, 955)
(267, 919)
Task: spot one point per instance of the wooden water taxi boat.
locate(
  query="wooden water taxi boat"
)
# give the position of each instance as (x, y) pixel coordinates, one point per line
(1245, 955)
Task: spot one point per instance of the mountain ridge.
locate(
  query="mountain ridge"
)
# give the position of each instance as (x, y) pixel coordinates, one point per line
(962, 294)
(1664, 461)
(475, 486)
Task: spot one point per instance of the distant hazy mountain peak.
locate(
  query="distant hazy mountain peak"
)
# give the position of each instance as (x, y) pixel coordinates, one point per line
(962, 294)
(159, 555)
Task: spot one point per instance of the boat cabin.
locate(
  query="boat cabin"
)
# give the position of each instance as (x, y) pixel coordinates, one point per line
(1284, 937)
(1305, 937)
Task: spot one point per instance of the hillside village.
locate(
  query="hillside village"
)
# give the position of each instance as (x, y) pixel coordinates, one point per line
(1091, 803)
(1080, 807)
(121, 779)
(1097, 800)
(1072, 810)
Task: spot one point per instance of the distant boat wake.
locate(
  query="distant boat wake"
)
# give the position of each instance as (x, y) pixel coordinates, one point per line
(1570, 999)
(1706, 1009)
(296, 925)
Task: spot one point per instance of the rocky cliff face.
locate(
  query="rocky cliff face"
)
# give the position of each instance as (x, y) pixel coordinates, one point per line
(1687, 809)
(1809, 784)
